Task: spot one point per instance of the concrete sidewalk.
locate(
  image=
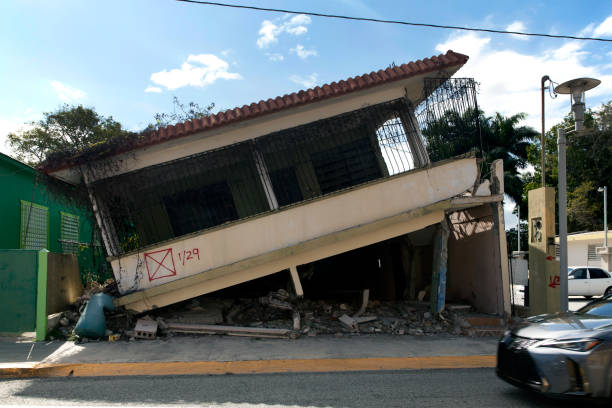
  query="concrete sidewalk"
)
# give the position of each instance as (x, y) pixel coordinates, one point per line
(238, 355)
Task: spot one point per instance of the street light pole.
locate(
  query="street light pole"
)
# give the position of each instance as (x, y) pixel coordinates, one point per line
(561, 144)
(543, 136)
(576, 88)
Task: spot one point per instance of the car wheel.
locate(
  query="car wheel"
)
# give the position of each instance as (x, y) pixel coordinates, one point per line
(608, 291)
(588, 297)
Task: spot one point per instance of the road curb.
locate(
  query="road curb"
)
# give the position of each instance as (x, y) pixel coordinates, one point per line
(248, 366)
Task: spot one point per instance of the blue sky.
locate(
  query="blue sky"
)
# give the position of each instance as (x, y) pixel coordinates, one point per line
(128, 59)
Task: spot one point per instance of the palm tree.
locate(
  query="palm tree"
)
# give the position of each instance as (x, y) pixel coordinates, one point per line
(496, 137)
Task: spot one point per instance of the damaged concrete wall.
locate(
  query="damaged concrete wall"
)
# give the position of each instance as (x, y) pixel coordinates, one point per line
(64, 283)
(474, 273)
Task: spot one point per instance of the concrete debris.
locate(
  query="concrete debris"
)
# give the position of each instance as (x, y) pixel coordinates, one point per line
(280, 314)
(364, 319)
(276, 303)
(348, 322)
(296, 321)
(53, 321)
(161, 324)
(281, 294)
(145, 329)
(458, 307)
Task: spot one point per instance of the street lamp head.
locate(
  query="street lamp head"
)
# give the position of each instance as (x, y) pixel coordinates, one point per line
(576, 88)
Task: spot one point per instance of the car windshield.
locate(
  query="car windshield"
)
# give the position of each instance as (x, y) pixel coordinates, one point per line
(598, 308)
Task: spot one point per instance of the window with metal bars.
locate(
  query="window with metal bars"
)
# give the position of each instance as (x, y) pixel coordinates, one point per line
(248, 178)
(34, 226)
(69, 233)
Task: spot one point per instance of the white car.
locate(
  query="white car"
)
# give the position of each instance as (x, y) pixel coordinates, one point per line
(588, 281)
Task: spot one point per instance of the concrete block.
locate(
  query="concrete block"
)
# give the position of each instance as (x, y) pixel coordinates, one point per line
(145, 329)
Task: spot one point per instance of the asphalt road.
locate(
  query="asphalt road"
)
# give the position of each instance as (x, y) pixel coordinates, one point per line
(426, 388)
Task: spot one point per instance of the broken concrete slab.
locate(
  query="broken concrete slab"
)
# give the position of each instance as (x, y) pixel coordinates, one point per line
(348, 321)
(364, 319)
(231, 330)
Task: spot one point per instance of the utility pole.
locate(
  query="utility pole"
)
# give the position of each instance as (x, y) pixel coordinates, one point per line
(606, 216)
(518, 228)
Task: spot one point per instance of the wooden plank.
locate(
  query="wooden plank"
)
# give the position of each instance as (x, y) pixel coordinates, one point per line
(296, 281)
(213, 328)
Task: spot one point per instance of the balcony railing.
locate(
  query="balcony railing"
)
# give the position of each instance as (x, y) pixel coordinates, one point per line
(266, 173)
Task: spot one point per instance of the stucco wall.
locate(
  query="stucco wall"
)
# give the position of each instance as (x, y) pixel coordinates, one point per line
(196, 253)
(474, 274)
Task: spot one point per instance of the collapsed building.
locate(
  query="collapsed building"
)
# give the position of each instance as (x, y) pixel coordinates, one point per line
(330, 188)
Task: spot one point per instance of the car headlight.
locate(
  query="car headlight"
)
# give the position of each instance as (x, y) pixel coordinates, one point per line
(582, 345)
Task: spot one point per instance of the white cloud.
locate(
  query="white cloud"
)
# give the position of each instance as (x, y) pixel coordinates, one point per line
(470, 44)
(307, 81)
(198, 70)
(67, 93)
(269, 31)
(605, 28)
(275, 56)
(268, 34)
(510, 80)
(518, 26)
(155, 89)
(297, 25)
(302, 52)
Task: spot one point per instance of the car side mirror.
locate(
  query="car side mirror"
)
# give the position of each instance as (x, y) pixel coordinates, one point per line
(570, 277)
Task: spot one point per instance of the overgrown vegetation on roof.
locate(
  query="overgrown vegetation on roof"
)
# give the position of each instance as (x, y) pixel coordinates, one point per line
(70, 130)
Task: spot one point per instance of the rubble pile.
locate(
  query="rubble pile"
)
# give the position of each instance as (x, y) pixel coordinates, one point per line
(279, 314)
(61, 325)
(280, 310)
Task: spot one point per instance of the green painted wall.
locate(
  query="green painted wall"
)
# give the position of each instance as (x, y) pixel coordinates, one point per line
(21, 182)
(18, 287)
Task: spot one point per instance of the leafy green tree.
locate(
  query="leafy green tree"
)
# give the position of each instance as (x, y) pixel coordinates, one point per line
(589, 166)
(69, 129)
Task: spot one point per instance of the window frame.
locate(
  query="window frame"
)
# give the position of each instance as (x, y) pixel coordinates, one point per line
(21, 226)
(65, 215)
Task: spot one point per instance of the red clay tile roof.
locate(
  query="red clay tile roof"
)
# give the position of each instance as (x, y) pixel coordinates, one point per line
(316, 94)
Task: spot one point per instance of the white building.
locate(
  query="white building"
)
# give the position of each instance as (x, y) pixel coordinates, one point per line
(582, 248)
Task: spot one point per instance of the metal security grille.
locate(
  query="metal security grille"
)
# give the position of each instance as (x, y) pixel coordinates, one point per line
(263, 174)
(34, 226)
(449, 112)
(69, 233)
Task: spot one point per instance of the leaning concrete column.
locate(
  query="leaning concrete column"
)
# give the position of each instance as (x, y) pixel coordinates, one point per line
(107, 230)
(440, 260)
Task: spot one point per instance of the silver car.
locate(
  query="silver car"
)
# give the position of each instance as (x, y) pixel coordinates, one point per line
(566, 354)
